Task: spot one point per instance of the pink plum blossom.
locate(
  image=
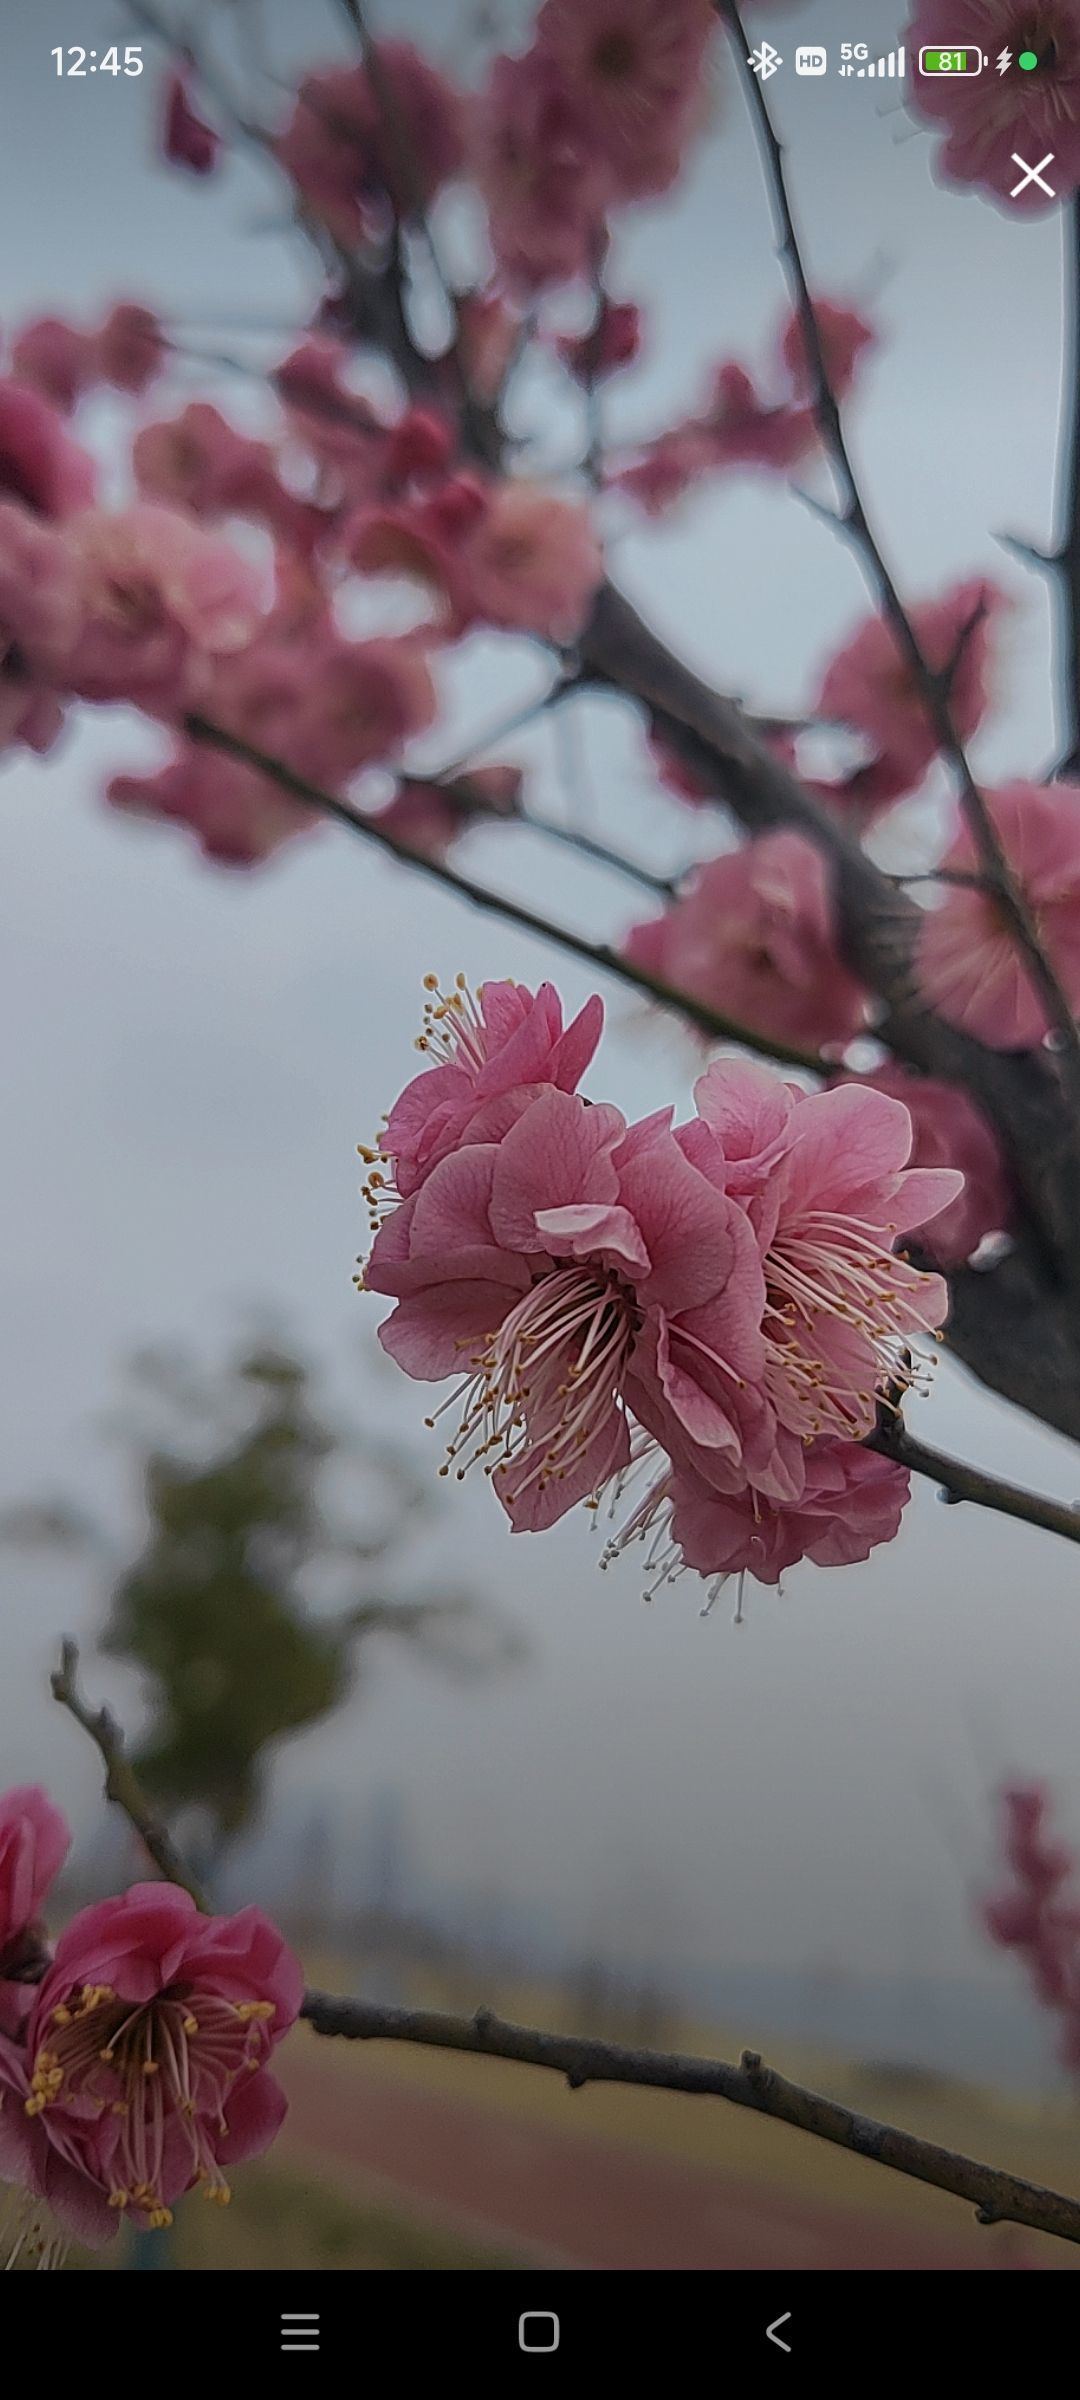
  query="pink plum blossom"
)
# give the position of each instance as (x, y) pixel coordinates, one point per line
(636, 71)
(1035, 1913)
(754, 938)
(39, 609)
(187, 140)
(545, 184)
(147, 2054)
(986, 118)
(55, 358)
(844, 336)
(531, 562)
(238, 817)
(949, 1131)
(827, 1186)
(130, 348)
(39, 463)
(613, 341)
(487, 1058)
(852, 1500)
(341, 156)
(968, 962)
(34, 1842)
(159, 598)
(550, 1265)
(428, 818)
(870, 686)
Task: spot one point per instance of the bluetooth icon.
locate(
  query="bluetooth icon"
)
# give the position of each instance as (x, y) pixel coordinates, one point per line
(764, 61)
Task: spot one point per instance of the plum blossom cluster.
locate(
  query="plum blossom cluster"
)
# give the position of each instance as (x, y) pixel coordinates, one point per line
(134, 2056)
(715, 1309)
(743, 423)
(158, 604)
(1036, 1911)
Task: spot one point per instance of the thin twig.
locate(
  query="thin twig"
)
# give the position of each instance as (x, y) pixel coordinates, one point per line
(121, 1782)
(853, 521)
(959, 1482)
(997, 2197)
(596, 954)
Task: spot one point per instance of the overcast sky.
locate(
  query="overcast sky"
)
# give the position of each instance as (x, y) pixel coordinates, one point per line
(189, 1059)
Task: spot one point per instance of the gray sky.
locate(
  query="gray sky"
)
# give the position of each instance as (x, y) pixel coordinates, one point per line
(188, 1060)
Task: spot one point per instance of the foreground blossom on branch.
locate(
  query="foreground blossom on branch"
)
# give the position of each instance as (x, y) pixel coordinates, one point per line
(143, 2071)
(716, 1300)
(34, 1842)
(989, 117)
(1037, 1912)
(753, 937)
(968, 962)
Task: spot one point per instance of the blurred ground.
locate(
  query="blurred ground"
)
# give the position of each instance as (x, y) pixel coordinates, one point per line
(628, 2179)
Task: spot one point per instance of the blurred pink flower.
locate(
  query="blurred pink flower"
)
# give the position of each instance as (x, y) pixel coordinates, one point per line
(870, 686)
(39, 463)
(497, 1049)
(1036, 1914)
(845, 337)
(187, 140)
(344, 160)
(238, 817)
(39, 610)
(56, 359)
(988, 117)
(754, 937)
(969, 966)
(196, 460)
(636, 72)
(614, 341)
(131, 348)
(429, 818)
(851, 1501)
(545, 184)
(159, 597)
(531, 562)
(949, 1131)
(34, 1842)
(489, 331)
(147, 2053)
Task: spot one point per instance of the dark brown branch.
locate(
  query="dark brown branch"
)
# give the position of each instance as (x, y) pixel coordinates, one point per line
(121, 1782)
(959, 1482)
(997, 2197)
(514, 912)
(853, 520)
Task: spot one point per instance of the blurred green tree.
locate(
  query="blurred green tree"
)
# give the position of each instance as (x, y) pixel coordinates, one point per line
(250, 1601)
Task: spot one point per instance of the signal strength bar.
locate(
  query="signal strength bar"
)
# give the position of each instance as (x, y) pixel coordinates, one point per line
(892, 64)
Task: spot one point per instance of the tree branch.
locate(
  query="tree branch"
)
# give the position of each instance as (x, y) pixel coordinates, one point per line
(997, 2197)
(121, 1782)
(958, 1482)
(596, 954)
(853, 520)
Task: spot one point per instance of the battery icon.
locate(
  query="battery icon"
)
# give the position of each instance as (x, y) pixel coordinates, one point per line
(951, 62)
